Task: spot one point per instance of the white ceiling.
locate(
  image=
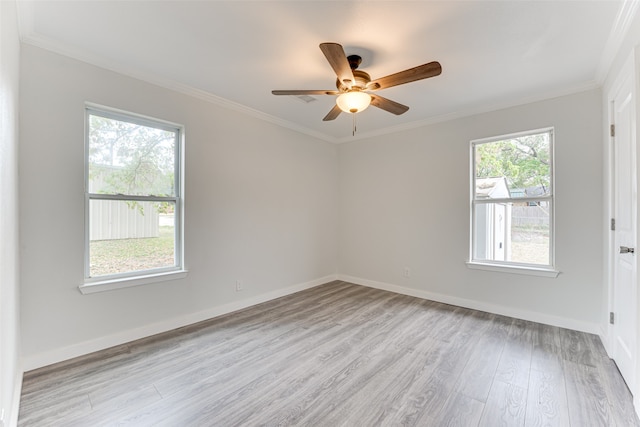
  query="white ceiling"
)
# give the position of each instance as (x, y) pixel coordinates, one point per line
(493, 53)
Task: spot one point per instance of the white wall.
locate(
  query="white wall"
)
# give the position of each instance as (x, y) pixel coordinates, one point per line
(10, 367)
(404, 202)
(260, 205)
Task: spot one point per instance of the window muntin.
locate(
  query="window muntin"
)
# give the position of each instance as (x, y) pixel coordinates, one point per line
(512, 200)
(133, 196)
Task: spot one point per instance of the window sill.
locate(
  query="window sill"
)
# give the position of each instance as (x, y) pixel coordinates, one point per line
(128, 282)
(515, 269)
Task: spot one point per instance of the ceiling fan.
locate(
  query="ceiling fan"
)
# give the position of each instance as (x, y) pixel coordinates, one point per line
(355, 87)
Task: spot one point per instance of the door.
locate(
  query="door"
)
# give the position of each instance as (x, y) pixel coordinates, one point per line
(624, 292)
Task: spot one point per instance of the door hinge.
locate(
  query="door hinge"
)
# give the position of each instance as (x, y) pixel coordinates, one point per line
(613, 130)
(613, 224)
(611, 317)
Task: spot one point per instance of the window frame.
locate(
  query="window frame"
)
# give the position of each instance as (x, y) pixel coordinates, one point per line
(546, 270)
(152, 275)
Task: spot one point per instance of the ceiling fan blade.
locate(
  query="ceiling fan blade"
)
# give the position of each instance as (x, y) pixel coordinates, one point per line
(338, 61)
(335, 112)
(388, 105)
(420, 72)
(305, 92)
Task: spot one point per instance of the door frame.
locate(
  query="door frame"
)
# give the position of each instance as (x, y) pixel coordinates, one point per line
(627, 71)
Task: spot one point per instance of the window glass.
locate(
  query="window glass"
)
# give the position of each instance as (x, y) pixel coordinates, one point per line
(524, 162)
(129, 158)
(512, 200)
(131, 236)
(133, 196)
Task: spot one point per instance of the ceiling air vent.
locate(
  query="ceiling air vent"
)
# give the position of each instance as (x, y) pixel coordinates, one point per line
(306, 98)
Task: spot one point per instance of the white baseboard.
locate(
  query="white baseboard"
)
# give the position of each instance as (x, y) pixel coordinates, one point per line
(12, 417)
(547, 319)
(86, 347)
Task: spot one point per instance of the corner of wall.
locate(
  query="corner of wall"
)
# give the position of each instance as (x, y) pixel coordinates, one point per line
(17, 392)
(10, 364)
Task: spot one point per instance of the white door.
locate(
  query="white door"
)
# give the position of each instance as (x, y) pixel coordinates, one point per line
(624, 292)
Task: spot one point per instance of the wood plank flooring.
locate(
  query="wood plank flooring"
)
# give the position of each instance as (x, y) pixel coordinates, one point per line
(339, 355)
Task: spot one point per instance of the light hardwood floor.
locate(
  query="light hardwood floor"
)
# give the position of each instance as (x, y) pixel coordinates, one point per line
(339, 355)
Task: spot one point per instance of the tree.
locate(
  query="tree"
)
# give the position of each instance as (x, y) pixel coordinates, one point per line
(524, 161)
(128, 158)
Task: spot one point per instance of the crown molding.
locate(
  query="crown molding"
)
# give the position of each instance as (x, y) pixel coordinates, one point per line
(624, 18)
(97, 61)
(25, 18)
(487, 108)
(173, 85)
(29, 36)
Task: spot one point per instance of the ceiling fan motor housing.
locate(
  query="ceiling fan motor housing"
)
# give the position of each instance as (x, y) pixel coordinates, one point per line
(362, 79)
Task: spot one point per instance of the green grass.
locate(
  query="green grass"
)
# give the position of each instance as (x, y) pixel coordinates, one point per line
(123, 255)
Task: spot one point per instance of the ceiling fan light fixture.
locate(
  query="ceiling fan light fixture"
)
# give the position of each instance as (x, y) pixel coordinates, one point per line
(353, 102)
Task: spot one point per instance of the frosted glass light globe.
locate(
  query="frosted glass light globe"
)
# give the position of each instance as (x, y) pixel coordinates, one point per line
(353, 102)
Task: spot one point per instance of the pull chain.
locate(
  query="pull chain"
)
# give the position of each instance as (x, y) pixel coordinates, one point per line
(353, 133)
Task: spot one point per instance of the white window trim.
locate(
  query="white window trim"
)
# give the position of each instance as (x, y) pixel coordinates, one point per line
(135, 278)
(127, 282)
(514, 268)
(508, 266)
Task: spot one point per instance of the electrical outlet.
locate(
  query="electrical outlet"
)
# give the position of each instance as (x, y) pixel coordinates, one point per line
(238, 285)
(406, 272)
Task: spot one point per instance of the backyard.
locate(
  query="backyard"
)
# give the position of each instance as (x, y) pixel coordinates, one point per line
(124, 255)
(530, 246)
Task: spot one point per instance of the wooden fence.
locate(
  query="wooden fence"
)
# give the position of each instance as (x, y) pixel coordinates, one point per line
(524, 216)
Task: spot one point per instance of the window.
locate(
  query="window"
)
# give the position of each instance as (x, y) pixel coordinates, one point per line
(512, 201)
(133, 204)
